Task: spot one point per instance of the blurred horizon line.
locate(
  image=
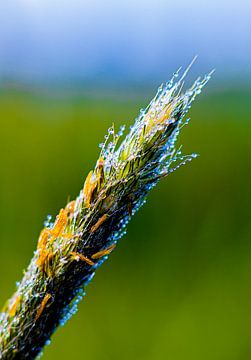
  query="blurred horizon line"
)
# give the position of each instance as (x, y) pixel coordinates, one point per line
(96, 87)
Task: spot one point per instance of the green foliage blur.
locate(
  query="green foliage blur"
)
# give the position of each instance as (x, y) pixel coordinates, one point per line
(178, 285)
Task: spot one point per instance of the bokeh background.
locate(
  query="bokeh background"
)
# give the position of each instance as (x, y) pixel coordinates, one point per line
(178, 286)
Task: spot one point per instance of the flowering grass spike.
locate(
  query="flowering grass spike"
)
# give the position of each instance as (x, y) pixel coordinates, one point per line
(86, 231)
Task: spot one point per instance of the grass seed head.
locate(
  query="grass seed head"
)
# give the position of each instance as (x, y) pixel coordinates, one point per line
(89, 227)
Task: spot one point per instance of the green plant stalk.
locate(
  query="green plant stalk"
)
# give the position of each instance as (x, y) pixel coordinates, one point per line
(71, 248)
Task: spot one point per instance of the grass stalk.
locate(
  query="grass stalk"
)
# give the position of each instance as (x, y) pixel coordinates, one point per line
(86, 231)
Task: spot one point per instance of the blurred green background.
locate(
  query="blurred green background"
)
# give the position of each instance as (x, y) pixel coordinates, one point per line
(178, 285)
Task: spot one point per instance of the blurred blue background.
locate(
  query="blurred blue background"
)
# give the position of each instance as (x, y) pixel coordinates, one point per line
(178, 286)
(129, 41)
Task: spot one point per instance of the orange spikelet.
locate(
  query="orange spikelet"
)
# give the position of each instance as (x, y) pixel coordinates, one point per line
(43, 238)
(13, 308)
(68, 236)
(77, 256)
(99, 223)
(89, 187)
(100, 171)
(70, 207)
(43, 252)
(59, 225)
(42, 258)
(42, 306)
(104, 252)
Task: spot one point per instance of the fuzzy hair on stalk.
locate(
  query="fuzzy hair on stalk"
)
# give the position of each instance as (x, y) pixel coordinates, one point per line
(86, 230)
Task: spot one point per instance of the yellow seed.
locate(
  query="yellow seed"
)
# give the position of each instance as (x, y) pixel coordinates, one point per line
(42, 306)
(104, 252)
(42, 258)
(43, 238)
(89, 187)
(100, 163)
(68, 236)
(99, 223)
(59, 225)
(44, 261)
(78, 256)
(14, 305)
(100, 171)
(70, 207)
